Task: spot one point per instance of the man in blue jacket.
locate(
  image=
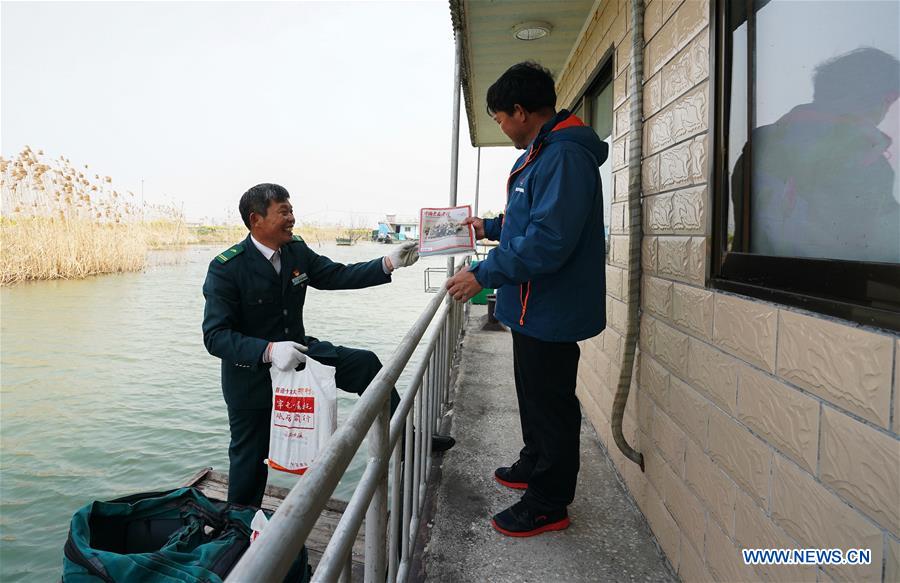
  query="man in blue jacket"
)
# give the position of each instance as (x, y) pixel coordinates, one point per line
(253, 320)
(549, 269)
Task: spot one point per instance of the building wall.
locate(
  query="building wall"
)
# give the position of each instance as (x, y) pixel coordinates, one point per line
(761, 426)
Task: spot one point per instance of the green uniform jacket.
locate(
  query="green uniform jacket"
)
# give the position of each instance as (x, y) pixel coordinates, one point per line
(248, 305)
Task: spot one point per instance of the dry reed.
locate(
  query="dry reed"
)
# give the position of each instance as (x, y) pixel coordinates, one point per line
(59, 221)
(62, 222)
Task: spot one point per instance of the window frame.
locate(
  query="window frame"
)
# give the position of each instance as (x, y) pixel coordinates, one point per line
(603, 75)
(859, 291)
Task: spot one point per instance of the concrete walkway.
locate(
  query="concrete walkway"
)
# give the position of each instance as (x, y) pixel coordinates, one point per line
(608, 540)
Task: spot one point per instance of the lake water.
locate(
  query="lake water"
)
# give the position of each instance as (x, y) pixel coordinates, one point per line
(106, 388)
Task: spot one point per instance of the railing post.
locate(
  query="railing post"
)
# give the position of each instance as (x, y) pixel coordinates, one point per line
(426, 418)
(408, 478)
(457, 329)
(450, 345)
(376, 516)
(347, 572)
(439, 385)
(445, 398)
(440, 397)
(429, 420)
(420, 428)
(445, 376)
(396, 510)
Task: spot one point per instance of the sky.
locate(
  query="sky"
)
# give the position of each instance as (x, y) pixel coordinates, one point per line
(346, 104)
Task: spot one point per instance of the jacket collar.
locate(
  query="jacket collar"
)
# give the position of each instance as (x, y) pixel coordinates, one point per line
(263, 249)
(259, 263)
(562, 120)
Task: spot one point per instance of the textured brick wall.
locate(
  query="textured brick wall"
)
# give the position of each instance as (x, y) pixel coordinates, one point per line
(761, 426)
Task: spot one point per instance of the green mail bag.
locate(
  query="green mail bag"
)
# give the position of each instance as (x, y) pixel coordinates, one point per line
(157, 537)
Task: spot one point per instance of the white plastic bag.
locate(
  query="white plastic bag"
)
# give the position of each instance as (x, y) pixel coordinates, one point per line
(304, 415)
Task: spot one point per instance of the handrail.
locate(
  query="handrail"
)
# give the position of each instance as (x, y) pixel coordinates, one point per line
(345, 533)
(270, 557)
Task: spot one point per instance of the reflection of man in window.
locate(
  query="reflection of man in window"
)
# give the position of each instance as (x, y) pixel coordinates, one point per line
(821, 183)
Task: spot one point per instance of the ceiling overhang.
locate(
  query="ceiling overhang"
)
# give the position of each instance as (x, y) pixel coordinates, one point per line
(489, 48)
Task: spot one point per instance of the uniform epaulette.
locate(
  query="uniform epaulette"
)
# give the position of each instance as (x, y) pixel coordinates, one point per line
(298, 238)
(229, 254)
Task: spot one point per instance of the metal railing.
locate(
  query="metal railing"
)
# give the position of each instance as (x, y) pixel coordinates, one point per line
(388, 547)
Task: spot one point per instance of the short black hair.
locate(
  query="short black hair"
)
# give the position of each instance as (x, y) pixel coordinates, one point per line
(528, 84)
(256, 200)
(857, 80)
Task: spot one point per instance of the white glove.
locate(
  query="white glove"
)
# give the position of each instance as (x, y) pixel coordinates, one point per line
(286, 355)
(404, 255)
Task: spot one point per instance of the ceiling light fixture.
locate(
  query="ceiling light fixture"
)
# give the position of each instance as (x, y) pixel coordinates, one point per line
(532, 30)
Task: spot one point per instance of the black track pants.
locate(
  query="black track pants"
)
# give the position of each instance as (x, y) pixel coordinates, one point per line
(545, 375)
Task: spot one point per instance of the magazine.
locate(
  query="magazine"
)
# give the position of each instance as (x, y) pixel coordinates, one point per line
(442, 232)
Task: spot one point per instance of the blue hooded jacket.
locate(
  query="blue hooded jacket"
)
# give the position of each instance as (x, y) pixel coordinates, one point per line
(550, 265)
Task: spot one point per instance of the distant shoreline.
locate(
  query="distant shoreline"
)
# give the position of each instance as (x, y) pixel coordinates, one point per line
(49, 248)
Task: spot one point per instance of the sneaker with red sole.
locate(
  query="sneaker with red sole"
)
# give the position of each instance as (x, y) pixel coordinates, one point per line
(521, 520)
(514, 476)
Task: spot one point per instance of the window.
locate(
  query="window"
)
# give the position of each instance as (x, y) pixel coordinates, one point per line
(595, 108)
(807, 207)
(579, 109)
(601, 120)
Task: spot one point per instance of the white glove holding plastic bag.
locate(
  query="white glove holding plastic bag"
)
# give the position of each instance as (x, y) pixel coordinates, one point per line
(304, 415)
(286, 355)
